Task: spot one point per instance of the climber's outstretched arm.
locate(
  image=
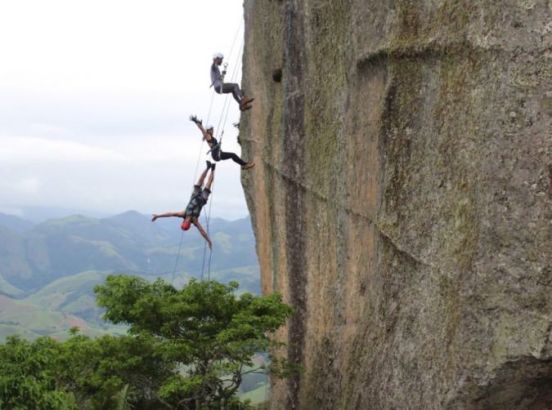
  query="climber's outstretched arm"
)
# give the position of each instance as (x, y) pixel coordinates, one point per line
(202, 232)
(199, 124)
(179, 214)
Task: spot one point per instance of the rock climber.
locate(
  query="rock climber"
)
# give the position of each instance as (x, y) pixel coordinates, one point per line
(216, 152)
(217, 81)
(198, 199)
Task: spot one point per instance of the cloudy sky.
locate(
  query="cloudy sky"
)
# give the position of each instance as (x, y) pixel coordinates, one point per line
(95, 97)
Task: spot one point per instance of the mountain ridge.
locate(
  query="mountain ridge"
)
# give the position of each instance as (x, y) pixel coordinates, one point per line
(124, 242)
(52, 268)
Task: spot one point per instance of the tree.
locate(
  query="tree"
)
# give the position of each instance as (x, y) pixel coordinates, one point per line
(104, 372)
(186, 349)
(28, 378)
(82, 373)
(209, 331)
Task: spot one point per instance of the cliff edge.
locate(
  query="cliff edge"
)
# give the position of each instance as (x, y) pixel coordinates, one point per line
(402, 198)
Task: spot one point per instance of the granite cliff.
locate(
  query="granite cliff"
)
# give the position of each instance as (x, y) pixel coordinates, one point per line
(402, 198)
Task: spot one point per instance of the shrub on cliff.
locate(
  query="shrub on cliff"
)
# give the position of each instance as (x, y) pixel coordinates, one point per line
(186, 349)
(205, 328)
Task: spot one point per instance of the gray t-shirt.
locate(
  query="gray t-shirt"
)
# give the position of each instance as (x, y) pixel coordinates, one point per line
(216, 77)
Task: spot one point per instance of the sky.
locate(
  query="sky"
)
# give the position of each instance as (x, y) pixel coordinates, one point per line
(95, 97)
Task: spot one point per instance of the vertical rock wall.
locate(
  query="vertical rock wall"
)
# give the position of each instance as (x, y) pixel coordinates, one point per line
(402, 198)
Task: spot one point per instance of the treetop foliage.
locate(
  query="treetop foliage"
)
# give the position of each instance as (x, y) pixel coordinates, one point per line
(186, 349)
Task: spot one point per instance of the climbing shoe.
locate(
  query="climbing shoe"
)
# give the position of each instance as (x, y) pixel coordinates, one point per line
(245, 101)
(249, 165)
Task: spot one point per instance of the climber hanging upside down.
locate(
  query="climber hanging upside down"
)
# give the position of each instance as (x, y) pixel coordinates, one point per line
(216, 152)
(217, 81)
(198, 199)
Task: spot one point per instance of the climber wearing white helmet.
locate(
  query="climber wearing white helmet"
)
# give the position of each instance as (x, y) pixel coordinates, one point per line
(216, 152)
(217, 81)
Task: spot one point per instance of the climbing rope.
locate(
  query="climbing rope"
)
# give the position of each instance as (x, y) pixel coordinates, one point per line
(177, 257)
(223, 119)
(193, 183)
(224, 114)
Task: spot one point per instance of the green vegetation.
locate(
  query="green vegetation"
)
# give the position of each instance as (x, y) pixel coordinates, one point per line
(71, 294)
(130, 243)
(30, 321)
(7, 289)
(256, 396)
(185, 349)
(48, 271)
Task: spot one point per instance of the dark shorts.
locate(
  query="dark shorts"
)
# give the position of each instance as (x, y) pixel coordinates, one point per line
(215, 153)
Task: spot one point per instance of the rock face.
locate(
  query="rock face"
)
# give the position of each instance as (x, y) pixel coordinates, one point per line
(402, 198)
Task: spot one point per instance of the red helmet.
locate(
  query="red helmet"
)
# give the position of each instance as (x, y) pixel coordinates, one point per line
(186, 223)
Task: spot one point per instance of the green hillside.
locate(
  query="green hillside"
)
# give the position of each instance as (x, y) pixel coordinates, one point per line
(48, 271)
(7, 289)
(15, 223)
(128, 243)
(257, 396)
(28, 320)
(13, 257)
(71, 295)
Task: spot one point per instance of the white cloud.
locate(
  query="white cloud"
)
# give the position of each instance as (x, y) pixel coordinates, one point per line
(11, 211)
(15, 150)
(24, 187)
(148, 174)
(28, 186)
(126, 45)
(95, 97)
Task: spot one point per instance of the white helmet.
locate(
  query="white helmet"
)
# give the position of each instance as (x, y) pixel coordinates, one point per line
(218, 55)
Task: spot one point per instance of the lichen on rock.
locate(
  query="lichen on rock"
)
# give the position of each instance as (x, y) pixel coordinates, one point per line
(402, 198)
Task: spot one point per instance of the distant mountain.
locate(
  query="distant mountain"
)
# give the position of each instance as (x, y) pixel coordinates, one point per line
(48, 270)
(15, 223)
(9, 290)
(72, 294)
(30, 321)
(126, 243)
(13, 259)
(39, 214)
(129, 219)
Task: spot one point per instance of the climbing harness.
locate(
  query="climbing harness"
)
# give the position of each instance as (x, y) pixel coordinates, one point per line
(217, 146)
(223, 74)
